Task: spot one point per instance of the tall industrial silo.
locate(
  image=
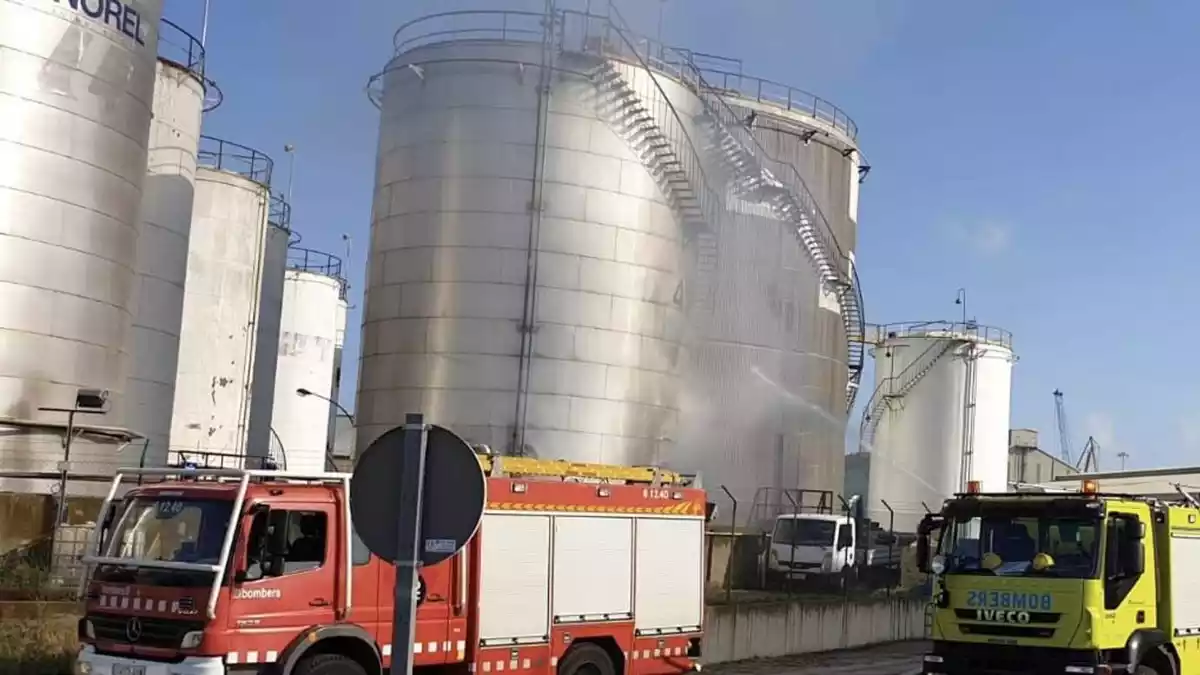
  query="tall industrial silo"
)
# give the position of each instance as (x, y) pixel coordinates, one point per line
(76, 92)
(180, 94)
(938, 416)
(777, 315)
(308, 346)
(564, 330)
(259, 436)
(227, 264)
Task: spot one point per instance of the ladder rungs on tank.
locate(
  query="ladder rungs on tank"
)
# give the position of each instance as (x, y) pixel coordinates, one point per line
(563, 470)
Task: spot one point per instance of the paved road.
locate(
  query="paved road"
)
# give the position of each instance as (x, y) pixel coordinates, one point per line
(902, 658)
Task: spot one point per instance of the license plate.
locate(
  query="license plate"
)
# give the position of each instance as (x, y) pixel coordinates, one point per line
(795, 575)
(126, 669)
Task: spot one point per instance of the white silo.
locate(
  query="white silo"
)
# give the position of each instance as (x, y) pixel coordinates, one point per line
(312, 301)
(938, 416)
(225, 272)
(76, 86)
(162, 244)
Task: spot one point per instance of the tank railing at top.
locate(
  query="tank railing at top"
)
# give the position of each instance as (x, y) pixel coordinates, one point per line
(579, 32)
(181, 48)
(968, 330)
(216, 153)
(280, 212)
(783, 96)
(317, 262)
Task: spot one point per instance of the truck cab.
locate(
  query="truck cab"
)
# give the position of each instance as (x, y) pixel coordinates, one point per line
(815, 547)
(1061, 583)
(219, 570)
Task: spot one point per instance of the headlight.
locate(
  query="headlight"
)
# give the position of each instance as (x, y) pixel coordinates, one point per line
(82, 667)
(192, 639)
(938, 564)
(89, 630)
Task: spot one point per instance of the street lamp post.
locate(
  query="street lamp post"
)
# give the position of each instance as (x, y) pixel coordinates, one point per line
(87, 402)
(961, 299)
(302, 392)
(291, 153)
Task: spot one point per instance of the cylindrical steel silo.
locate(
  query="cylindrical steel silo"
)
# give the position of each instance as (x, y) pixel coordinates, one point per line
(938, 416)
(221, 307)
(553, 331)
(75, 93)
(553, 202)
(162, 245)
(307, 353)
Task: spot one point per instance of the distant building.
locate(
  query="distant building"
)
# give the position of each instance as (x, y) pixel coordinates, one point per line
(1027, 463)
(343, 442)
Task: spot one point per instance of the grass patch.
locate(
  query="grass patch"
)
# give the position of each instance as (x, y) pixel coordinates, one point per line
(39, 640)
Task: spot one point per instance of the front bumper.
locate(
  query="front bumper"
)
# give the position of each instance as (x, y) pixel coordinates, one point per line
(88, 662)
(954, 658)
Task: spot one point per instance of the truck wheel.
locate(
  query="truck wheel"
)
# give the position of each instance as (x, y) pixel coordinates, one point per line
(329, 664)
(586, 659)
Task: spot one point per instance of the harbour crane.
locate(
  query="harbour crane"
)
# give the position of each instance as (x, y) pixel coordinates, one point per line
(1089, 456)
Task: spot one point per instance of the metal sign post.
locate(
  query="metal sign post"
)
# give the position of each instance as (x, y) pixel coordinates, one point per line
(408, 510)
(416, 499)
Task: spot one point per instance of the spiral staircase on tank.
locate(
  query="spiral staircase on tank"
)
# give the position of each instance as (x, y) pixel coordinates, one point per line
(663, 146)
(897, 386)
(672, 158)
(785, 192)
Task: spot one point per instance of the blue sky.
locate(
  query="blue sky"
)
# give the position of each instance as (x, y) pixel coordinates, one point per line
(1036, 154)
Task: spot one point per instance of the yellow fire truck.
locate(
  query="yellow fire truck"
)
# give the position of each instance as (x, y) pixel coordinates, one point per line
(1079, 582)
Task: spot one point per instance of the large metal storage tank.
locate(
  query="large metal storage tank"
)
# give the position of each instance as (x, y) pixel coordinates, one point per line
(942, 394)
(777, 347)
(76, 88)
(227, 263)
(644, 179)
(162, 244)
(312, 301)
(583, 367)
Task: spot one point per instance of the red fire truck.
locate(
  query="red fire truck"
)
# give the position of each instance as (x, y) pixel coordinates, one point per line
(577, 569)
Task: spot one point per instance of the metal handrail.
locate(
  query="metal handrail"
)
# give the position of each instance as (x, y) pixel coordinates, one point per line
(671, 124)
(910, 375)
(279, 213)
(181, 48)
(968, 330)
(317, 262)
(216, 153)
(783, 96)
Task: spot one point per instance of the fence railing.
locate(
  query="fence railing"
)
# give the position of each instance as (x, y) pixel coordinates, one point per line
(965, 330)
(782, 96)
(223, 155)
(317, 262)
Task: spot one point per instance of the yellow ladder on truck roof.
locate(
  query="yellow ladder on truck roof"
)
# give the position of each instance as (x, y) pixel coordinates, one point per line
(562, 469)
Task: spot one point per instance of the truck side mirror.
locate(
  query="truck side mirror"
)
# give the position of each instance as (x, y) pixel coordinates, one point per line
(923, 552)
(277, 534)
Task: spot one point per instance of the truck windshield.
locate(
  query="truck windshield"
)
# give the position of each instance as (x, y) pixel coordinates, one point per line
(1006, 545)
(164, 528)
(803, 532)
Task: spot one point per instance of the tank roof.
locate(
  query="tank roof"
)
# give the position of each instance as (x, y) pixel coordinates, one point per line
(969, 331)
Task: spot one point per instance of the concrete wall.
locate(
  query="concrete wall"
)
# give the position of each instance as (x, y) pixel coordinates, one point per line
(763, 630)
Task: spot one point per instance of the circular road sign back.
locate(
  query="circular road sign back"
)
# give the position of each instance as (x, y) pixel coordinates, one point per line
(452, 500)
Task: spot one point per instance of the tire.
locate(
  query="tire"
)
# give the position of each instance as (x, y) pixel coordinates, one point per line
(586, 659)
(329, 664)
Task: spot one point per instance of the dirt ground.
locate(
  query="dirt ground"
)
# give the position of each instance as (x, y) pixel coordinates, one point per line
(900, 658)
